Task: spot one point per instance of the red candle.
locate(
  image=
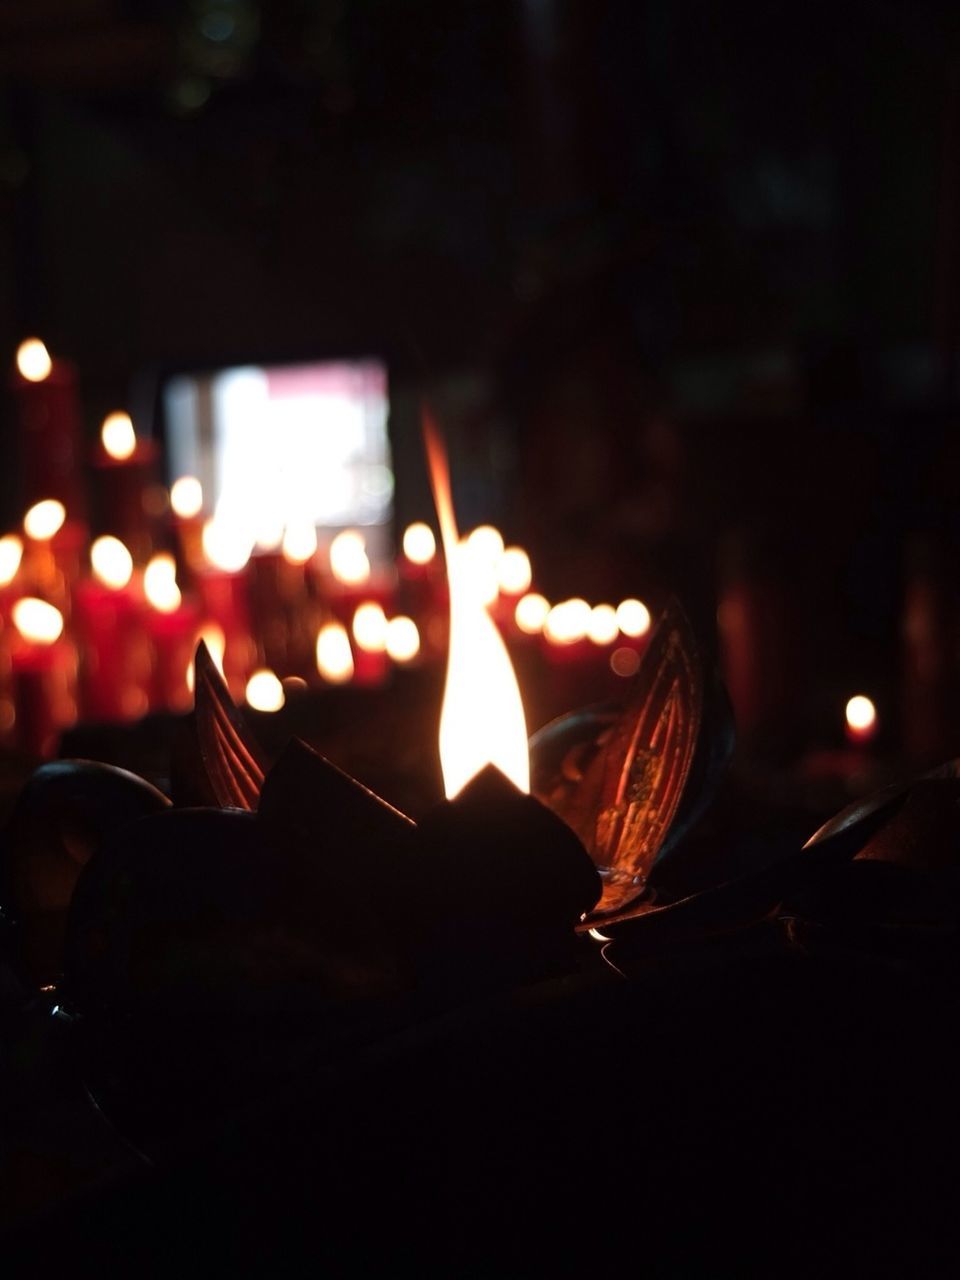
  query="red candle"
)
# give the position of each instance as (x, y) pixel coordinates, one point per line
(224, 595)
(172, 626)
(43, 673)
(50, 435)
(130, 496)
(368, 635)
(114, 654)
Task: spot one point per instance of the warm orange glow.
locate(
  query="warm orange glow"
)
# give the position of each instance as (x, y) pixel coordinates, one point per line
(568, 621)
(633, 618)
(186, 497)
(118, 437)
(33, 360)
(403, 639)
(226, 545)
(348, 558)
(160, 584)
(531, 613)
(419, 544)
(514, 572)
(603, 627)
(11, 553)
(299, 543)
(482, 720)
(37, 621)
(370, 627)
(264, 691)
(44, 519)
(112, 563)
(861, 715)
(334, 656)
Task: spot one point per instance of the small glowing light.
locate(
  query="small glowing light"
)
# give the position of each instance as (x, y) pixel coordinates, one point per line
(348, 558)
(861, 715)
(370, 627)
(603, 627)
(264, 691)
(44, 519)
(11, 553)
(419, 544)
(299, 543)
(37, 621)
(160, 584)
(118, 436)
(403, 639)
(486, 543)
(225, 545)
(596, 934)
(334, 656)
(625, 662)
(33, 360)
(213, 637)
(186, 497)
(531, 613)
(568, 621)
(482, 551)
(514, 572)
(633, 618)
(112, 562)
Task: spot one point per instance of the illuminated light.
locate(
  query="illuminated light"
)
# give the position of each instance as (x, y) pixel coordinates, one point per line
(37, 621)
(483, 549)
(264, 691)
(112, 563)
(403, 639)
(118, 436)
(419, 544)
(514, 572)
(531, 613)
(600, 937)
(160, 584)
(568, 621)
(44, 519)
(11, 553)
(486, 542)
(216, 642)
(370, 627)
(624, 662)
(225, 545)
(861, 717)
(349, 563)
(299, 543)
(270, 530)
(482, 720)
(334, 655)
(186, 497)
(603, 627)
(33, 360)
(633, 618)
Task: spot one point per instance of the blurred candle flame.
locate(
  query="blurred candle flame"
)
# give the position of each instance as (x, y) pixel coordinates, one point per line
(370, 627)
(160, 584)
(44, 519)
(349, 563)
(38, 621)
(861, 717)
(11, 553)
(225, 545)
(33, 360)
(334, 655)
(299, 543)
(112, 563)
(186, 497)
(531, 613)
(264, 691)
(482, 720)
(419, 544)
(118, 437)
(402, 639)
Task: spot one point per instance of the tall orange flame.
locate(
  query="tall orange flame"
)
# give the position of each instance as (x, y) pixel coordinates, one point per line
(482, 720)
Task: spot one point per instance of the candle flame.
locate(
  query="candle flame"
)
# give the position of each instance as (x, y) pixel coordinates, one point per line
(118, 437)
(370, 627)
(225, 544)
(33, 360)
(264, 691)
(403, 639)
(334, 655)
(482, 720)
(568, 621)
(861, 715)
(186, 497)
(531, 613)
(633, 618)
(11, 553)
(38, 621)
(160, 584)
(44, 519)
(514, 571)
(603, 627)
(349, 563)
(299, 543)
(419, 544)
(111, 561)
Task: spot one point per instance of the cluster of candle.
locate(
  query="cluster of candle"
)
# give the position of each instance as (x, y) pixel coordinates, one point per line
(104, 628)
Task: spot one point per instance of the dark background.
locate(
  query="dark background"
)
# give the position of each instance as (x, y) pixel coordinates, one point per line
(683, 278)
